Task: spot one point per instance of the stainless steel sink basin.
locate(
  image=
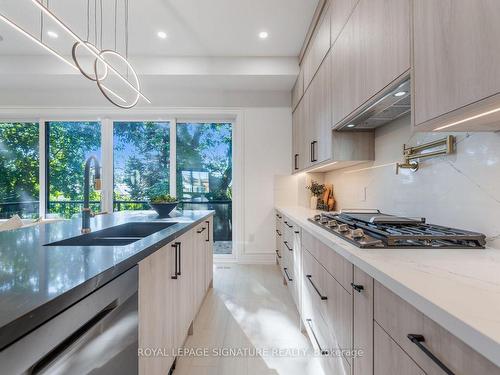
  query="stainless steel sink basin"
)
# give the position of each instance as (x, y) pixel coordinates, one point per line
(119, 235)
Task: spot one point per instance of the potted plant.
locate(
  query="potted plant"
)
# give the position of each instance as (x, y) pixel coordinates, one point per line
(163, 204)
(317, 191)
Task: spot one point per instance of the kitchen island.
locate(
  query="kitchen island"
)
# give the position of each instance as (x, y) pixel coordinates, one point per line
(38, 282)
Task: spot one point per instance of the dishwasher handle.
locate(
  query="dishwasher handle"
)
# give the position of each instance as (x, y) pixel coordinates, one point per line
(74, 337)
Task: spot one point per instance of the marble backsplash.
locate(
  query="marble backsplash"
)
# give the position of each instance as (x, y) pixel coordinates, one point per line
(460, 190)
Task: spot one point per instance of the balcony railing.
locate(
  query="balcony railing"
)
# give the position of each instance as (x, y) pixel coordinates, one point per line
(223, 224)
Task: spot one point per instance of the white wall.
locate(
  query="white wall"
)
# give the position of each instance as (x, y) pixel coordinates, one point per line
(461, 190)
(267, 150)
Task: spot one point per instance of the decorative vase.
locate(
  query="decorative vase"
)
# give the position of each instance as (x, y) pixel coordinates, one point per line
(314, 202)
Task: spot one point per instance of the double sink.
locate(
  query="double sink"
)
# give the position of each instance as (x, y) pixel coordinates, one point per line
(119, 235)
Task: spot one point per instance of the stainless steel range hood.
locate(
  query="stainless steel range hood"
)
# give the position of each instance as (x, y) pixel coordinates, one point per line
(390, 104)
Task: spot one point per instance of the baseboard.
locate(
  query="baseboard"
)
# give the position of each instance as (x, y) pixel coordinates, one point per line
(269, 258)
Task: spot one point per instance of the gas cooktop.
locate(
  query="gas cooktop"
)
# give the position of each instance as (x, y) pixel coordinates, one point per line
(373, 229)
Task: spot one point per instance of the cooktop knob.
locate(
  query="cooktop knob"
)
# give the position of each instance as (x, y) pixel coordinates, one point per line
(332, 223)
(317, 217)
(324, 220)
(343, 227)
(357, 233)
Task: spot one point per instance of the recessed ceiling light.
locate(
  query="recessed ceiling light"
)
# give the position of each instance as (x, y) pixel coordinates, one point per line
(52, 34)
(351, 126)
(263, 35)
(162, 35)
(400, 93)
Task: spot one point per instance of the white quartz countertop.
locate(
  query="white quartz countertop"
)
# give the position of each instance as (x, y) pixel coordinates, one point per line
(457, 288)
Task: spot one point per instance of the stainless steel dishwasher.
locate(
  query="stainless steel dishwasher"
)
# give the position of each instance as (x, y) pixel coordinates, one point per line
(98, 335)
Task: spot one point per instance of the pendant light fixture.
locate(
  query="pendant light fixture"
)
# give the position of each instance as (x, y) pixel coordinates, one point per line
(103, 69)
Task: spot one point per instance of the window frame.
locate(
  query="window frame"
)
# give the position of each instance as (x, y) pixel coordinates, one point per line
(107, 119)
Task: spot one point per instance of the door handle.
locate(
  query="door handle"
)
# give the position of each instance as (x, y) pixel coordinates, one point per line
(286, 273)
(278, 254)
(180, 263)
(358, 288)
(418, 340)
(313, 146)
(309, 323)
(323, 298)
(208, 231)
(176, 261)
(296, 162)
(288, 247)
(311, 152)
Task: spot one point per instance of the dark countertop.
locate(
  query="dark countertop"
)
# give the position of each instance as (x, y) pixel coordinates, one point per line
(37, 282)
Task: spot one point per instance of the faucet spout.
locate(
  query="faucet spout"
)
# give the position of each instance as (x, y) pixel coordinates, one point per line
(86, 212)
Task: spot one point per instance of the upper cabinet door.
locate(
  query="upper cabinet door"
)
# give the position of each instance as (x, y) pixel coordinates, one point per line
(371, 52)
(340, 10)
(298, 90)
(318, 48)
(456, 64)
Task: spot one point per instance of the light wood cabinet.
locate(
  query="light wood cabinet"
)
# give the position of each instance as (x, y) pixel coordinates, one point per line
(158, 295)
(399, 319)
(390, 358)
(456, 60)
(340, 11)
(363, 322)
(320, 114)
(298, 90)
(372, 51)
(172, 285)
(318, 48)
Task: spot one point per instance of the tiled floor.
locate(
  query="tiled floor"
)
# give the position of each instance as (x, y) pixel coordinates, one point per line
(250, 310)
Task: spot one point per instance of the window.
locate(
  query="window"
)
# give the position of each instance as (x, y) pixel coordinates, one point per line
(69, 145)
(204, 175)
(19, 170)
(141, 163)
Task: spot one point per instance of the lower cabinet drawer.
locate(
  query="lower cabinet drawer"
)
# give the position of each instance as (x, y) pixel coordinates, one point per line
(400, 319)
(330, 301)
(389, 358)
(340, 268)
(320, 335)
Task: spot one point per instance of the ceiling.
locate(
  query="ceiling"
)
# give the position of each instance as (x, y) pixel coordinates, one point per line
(194, 27)
(210, 45)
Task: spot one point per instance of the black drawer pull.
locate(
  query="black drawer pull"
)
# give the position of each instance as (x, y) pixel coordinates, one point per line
(278, 254)
(201, 230)
(288, 225)
(278, 216)
(297, 232)
(179, 247)
(278, 232)
(286, 273)
(295, 161)
(208, 231)
(358, 288)
(176, 261)
(309, 323)
(418, 340)
(323, 298)
(288, 247)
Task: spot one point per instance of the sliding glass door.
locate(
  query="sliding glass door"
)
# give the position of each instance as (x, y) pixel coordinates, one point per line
(141, 163)
(204, 170)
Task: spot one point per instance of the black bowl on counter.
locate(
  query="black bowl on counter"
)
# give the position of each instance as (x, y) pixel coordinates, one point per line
(163, 209)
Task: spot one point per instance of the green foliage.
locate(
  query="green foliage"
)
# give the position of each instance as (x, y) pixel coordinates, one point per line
(206, 147)
(316, 188)
(163, 198)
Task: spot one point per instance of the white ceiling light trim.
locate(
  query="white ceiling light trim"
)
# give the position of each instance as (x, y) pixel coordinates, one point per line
(97, 55)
